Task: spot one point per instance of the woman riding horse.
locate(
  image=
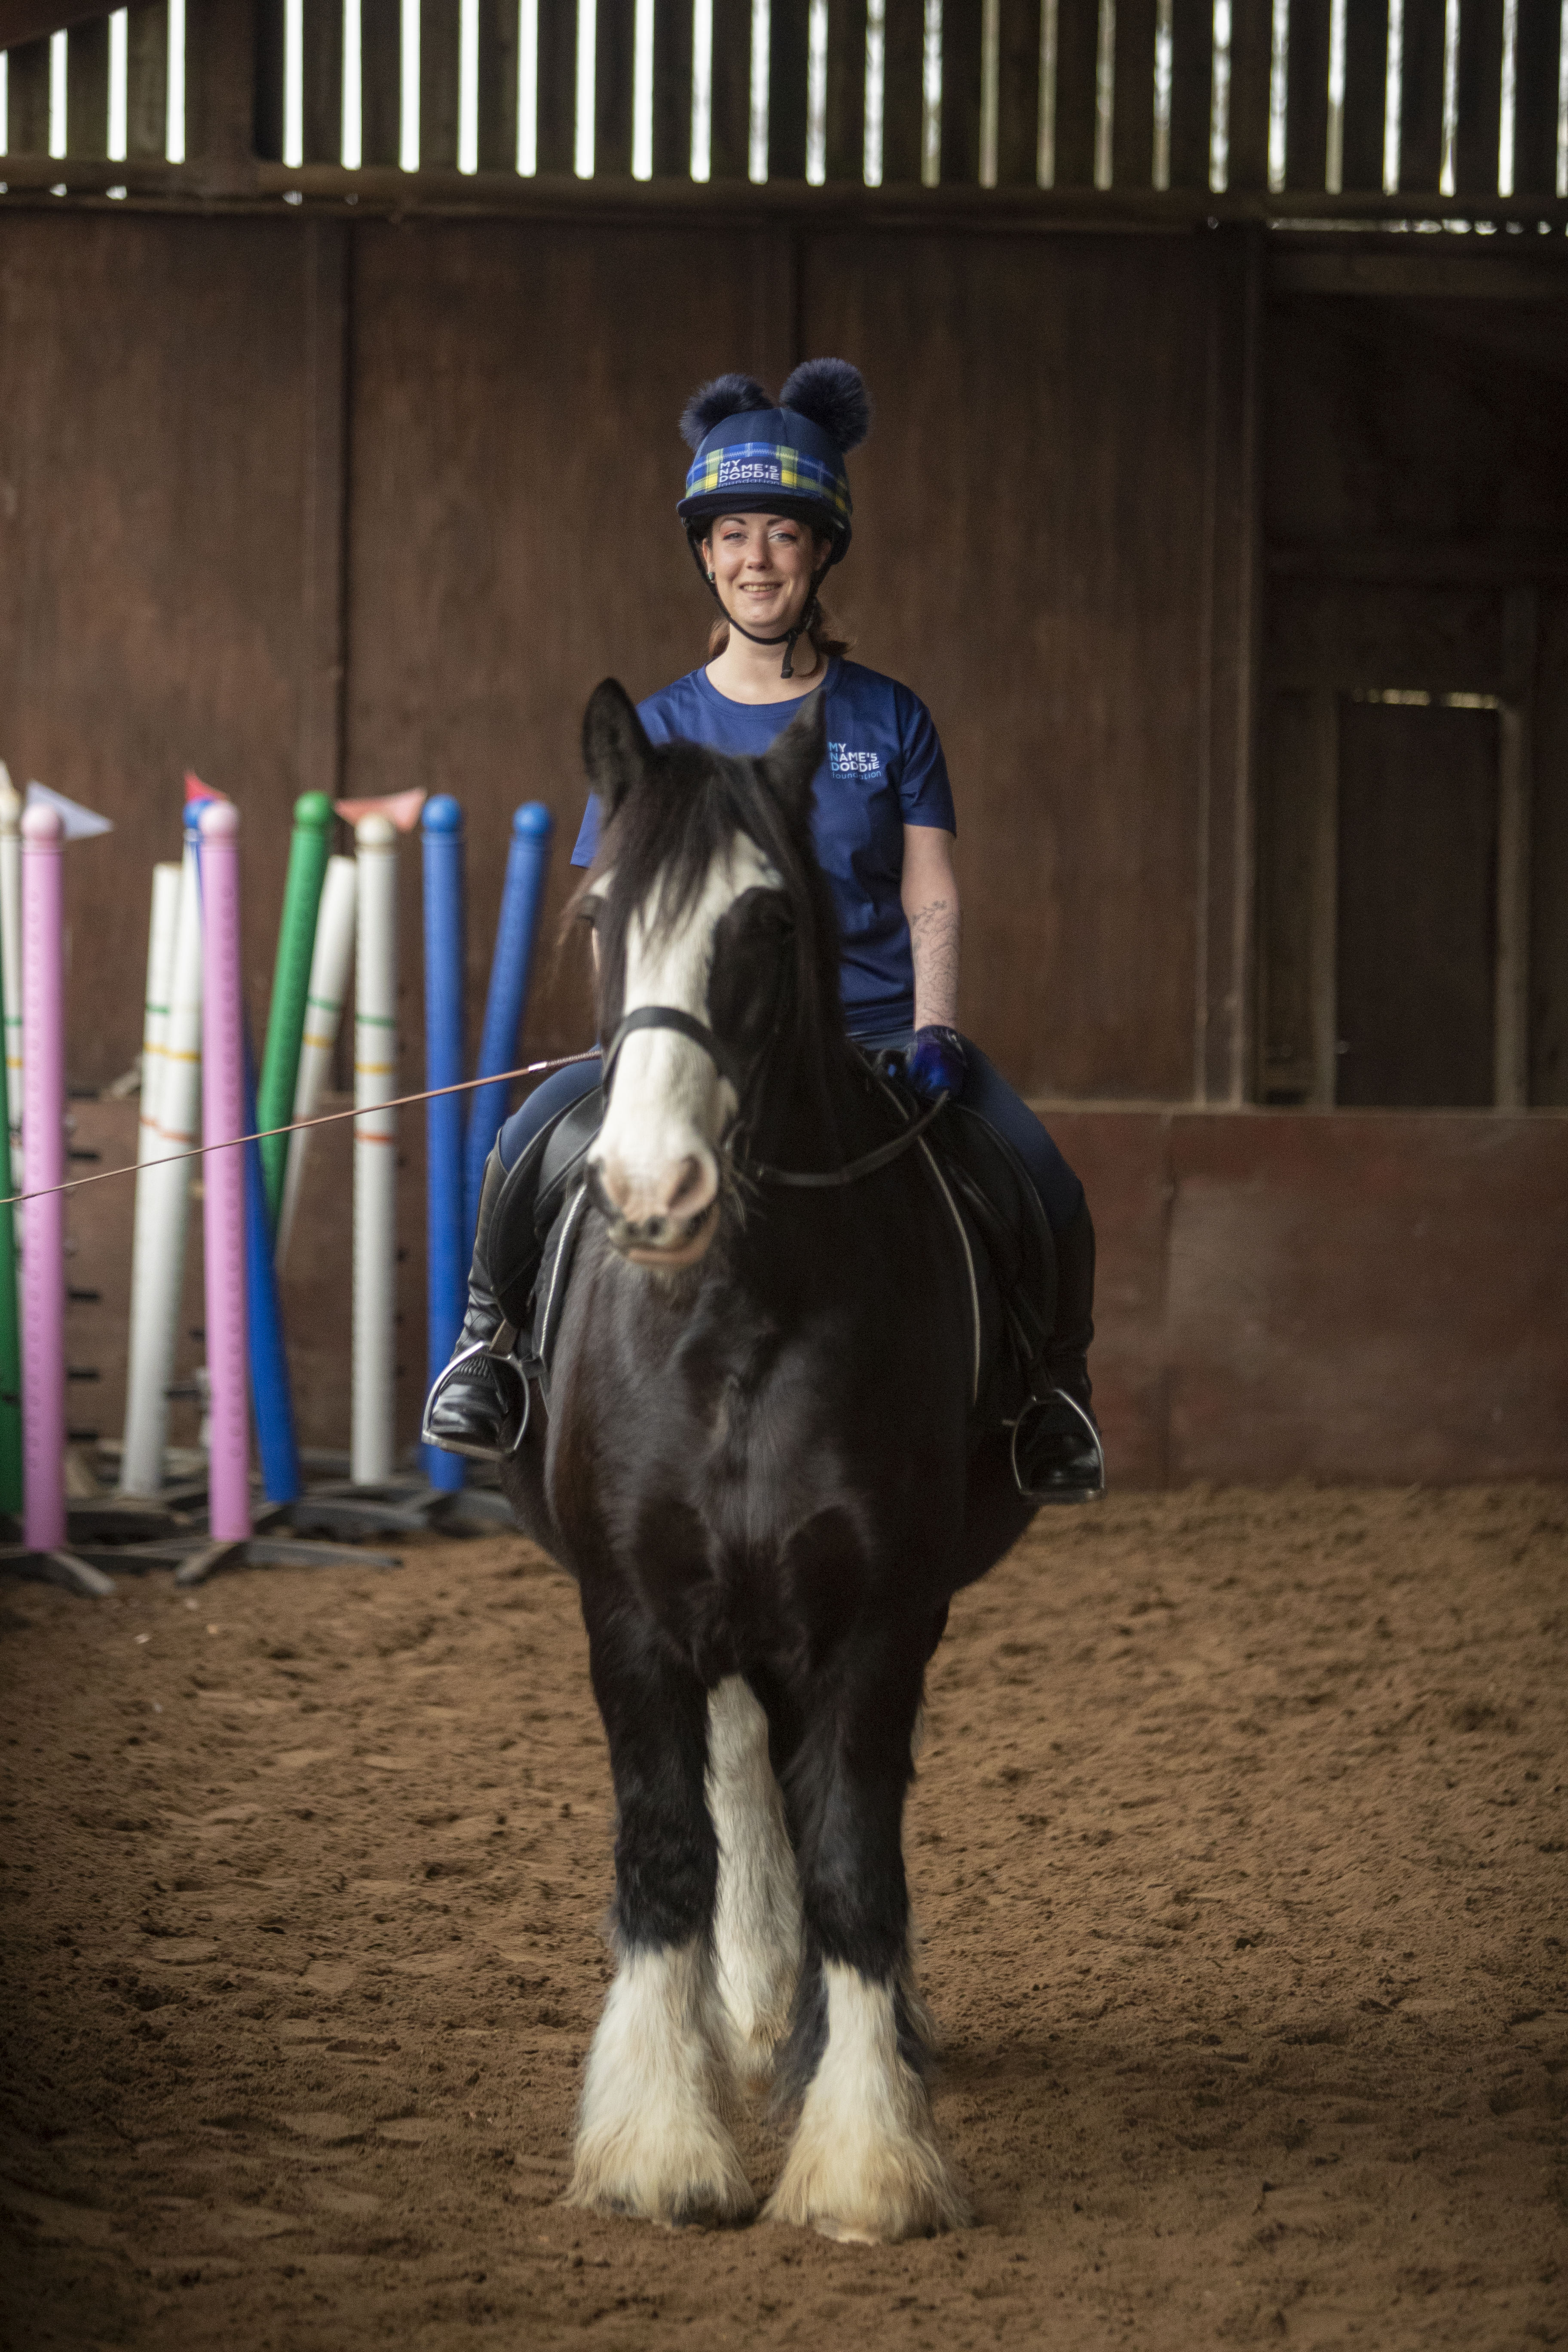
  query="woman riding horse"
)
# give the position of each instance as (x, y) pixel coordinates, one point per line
(767, 514)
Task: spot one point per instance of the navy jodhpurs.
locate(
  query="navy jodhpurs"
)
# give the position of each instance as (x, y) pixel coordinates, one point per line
(986, 1090)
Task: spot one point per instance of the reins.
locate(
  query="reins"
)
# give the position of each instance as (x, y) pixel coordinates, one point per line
(686, 1024)
(867, 1165)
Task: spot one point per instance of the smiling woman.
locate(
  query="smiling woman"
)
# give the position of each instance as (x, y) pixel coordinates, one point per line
(768, 513)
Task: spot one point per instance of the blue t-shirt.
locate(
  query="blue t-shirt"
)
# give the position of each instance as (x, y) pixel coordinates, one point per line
(884, 769)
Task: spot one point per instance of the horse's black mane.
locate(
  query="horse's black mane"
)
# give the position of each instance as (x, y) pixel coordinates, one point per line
(661, 842)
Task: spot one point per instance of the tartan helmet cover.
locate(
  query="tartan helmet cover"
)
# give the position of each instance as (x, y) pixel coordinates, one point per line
(754, 457)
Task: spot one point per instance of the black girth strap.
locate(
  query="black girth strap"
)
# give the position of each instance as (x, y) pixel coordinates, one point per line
(685, 1024)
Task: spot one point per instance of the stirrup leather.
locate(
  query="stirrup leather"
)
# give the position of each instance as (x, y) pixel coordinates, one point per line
(1078, 1426)
(507, 1374)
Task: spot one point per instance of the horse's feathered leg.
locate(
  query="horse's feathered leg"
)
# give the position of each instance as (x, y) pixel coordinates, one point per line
(651, 2138)
(864, 2163)
(758, 1924)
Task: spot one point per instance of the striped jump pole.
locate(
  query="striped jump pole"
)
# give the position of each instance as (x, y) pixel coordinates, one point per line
(446, 1236)
(223, 1122)
(308, 854)
(164, 1194)
(371, 1454)
(43, 1134)
(527, 866)
(332, 961)
(11, 953)
(10, 1321)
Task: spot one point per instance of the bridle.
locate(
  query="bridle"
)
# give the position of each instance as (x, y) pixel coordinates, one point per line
(686, 1024)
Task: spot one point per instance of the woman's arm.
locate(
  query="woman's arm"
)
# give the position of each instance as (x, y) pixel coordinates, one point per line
(929, 892)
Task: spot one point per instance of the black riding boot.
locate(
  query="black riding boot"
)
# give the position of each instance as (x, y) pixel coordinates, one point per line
(1057, 1455)
(479, 1405)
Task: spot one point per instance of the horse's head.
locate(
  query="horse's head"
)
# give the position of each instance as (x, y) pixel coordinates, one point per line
(715, 942)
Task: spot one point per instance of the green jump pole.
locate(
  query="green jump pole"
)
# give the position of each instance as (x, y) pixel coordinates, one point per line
(10, 1334)
(308, 856)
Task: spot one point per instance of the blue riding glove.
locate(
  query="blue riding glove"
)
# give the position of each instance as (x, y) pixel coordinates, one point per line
(937, 1063)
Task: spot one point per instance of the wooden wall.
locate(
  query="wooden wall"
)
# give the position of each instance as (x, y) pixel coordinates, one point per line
(297, 505)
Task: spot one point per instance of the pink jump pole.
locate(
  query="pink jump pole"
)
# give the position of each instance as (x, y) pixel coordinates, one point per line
(43, 1222)
(222, 1118)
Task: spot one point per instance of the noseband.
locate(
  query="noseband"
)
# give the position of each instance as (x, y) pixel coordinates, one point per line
(686, 1024)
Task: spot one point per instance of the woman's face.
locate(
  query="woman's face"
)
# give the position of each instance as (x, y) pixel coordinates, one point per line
(762, 566)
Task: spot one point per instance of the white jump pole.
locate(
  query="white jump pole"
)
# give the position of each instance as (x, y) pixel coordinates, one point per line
(11, 955)
(375, 1154)
(332, 961)
(161, 929)
(162, 1199)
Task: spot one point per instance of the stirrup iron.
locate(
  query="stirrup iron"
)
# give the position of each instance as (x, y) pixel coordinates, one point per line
(503, 1349)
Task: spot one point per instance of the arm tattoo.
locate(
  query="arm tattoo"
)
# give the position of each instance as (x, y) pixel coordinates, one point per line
(934, 941)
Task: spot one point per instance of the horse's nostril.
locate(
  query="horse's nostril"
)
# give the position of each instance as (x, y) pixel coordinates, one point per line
(691, 1192)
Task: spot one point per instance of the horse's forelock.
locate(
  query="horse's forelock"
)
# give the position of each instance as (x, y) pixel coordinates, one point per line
(657, 852)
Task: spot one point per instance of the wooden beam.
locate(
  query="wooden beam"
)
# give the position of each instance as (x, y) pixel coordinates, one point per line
(1307, 95)
(34, 20)
(788, 38)
(1017, 93)
(1421, 95)
(729, 147)
(220, 96)
(1133, 117)
(614, 61)
(1077, 64)
(1365, 99)
(845, 157)
(1192, 92)
(671, 89)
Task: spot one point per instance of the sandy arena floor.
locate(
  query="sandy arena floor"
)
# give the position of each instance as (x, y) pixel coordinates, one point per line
(1238, 1851)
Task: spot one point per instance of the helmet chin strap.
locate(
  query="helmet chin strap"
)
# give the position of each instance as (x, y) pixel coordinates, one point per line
(790, 637)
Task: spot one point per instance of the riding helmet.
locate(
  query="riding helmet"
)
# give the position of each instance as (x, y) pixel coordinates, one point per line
(753, 456)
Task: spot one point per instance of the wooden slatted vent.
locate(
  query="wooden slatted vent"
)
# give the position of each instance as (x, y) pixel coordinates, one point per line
(1305, 109)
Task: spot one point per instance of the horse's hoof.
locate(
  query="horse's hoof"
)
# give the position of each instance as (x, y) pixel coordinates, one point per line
(846, 2234)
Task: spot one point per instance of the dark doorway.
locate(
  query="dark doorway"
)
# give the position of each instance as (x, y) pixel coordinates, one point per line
(1418, 903)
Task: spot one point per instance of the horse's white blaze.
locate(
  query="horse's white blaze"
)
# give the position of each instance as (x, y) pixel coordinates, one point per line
(657, 1152)
(757, 1922)
(651, 2139)
(864, 2163)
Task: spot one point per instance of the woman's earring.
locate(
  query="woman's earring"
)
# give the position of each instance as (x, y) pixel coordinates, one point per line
(709, 575)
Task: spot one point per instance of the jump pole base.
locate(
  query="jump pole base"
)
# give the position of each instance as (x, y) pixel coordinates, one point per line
(62, 1568)
(275, 1551)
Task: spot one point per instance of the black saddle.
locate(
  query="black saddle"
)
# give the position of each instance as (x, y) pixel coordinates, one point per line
(1011, 1257)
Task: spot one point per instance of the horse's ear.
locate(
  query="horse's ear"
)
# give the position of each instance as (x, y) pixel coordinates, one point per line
(793, 758)
(615, 749)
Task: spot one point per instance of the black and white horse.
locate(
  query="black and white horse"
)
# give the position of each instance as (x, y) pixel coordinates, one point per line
(760, 1467)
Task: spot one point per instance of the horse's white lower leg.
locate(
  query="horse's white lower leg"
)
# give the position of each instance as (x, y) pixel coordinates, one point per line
(864, 2163)
(756, 1926)
(651, 2139)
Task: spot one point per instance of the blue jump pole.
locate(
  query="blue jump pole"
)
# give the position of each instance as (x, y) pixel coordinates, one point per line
(527, 865)
(446, 1236)
(271, 1397)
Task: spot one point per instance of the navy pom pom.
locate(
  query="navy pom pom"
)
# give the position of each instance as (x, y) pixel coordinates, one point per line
(727, 395)
(831, 392)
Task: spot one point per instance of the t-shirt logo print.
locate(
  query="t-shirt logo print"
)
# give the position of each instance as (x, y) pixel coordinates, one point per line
(846, 762)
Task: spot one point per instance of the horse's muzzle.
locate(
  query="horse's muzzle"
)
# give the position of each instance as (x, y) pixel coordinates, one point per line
(665, 1238)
